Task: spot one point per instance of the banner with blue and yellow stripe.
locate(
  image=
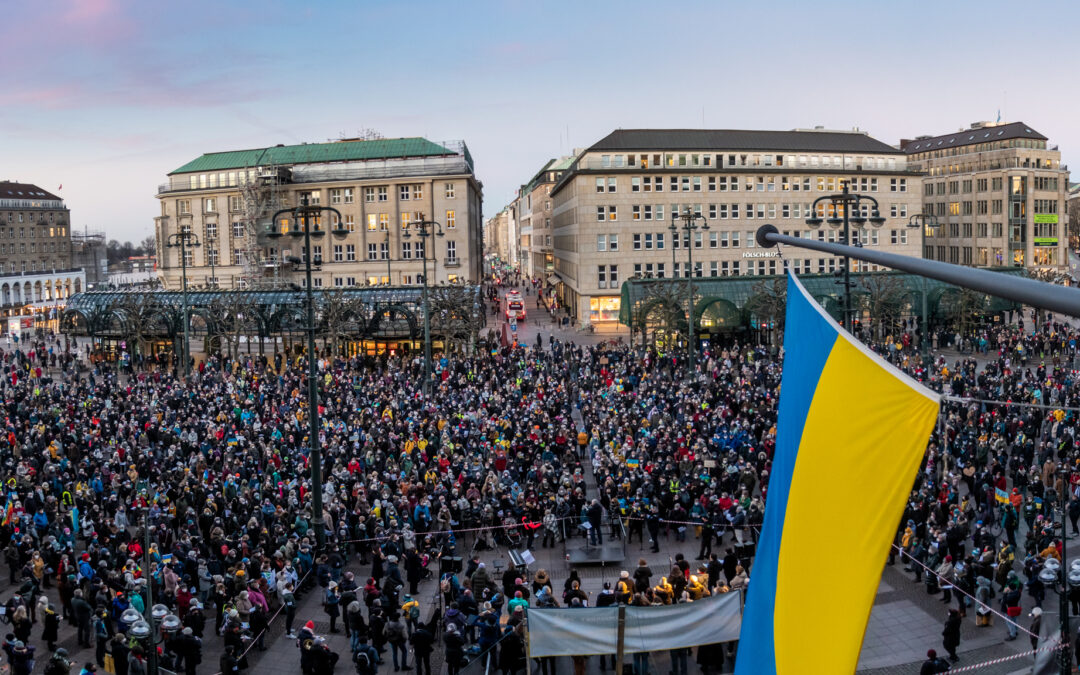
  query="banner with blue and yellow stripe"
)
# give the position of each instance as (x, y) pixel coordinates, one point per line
(846, 416)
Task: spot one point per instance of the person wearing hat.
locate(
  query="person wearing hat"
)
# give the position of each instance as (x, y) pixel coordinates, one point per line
(933, 664)
(410, 609)
(332, 604)
(229, 664)
(188, 650)
(101, 636)
(422, 641)
(455, 649)
(58, 664)
(1036, 626)
(21, 658)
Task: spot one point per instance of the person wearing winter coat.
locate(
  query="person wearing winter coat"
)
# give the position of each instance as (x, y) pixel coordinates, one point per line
(51, 631)
(455, 649)
(422, 640)
(950, 635)
(396, 636)
(982, 598)
(945, 577)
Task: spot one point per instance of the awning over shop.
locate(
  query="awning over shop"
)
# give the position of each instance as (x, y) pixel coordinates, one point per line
(553, 279)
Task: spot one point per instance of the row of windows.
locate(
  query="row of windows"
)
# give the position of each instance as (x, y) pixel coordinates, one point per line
(376, 221)
(338, 196)
(339, 282)
(235, 178)
(966, 230)
(981, 147)
(725, 268)
(607, 184)
(32, 266)
(748, 211)
(670, 160)
(46, 247)
(965, 186)
(981, 207)
(649, 241)
(54, 231)
(340, 253)
(966, 255)
(32, 217)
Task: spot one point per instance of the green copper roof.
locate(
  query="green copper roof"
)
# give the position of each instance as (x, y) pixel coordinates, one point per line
(311, 153)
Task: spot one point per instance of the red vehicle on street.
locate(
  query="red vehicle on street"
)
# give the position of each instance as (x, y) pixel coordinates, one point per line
(514, 305)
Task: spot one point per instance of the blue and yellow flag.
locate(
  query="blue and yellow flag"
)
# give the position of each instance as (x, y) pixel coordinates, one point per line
(846, 417)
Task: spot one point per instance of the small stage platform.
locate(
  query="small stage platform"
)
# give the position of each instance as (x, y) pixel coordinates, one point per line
(609, 553)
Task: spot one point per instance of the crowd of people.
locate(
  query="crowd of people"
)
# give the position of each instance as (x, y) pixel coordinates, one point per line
(198, 489)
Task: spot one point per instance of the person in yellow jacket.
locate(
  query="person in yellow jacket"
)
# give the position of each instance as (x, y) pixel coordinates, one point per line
(696, 589)
(663, 591)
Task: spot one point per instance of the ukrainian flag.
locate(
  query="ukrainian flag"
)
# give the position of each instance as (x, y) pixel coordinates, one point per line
(852, 432)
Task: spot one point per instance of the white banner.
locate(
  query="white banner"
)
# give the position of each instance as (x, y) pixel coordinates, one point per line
(570, 632)
(715, 619)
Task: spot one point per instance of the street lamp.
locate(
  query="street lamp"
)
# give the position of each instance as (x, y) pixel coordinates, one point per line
(1060, 578)
(849, 201)
(211, 245)
(305, 224)
(690, 226)
(184, 240)
(389, 274)
(424, 229)
(923, 221)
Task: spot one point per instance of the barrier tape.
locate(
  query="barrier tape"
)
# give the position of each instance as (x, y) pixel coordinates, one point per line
(538, 525)
(255, 639)
(958, 591)
(1004, 659)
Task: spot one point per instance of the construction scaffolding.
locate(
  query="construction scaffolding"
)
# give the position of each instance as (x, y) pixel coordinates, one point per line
(262, 197)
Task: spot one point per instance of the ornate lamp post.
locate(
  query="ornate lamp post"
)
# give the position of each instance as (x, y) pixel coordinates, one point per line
(425, 229)
(184, 240)
(849, 201)
(689, 225)
(306, 224)
(923, 221)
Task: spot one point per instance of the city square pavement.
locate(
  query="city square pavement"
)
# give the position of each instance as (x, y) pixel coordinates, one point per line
(904, 623)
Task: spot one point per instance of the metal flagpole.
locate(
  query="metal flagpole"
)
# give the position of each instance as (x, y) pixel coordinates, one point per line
(1026, 291)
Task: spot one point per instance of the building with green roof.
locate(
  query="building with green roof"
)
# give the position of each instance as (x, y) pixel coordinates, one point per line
(373, 188)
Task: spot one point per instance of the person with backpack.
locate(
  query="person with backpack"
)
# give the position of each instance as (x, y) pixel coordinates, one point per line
(410, 609)
(289, 600)
(395, 635)
(332, 605)
(58, 664)
(422, 641)
(365, 658)
(101, 637)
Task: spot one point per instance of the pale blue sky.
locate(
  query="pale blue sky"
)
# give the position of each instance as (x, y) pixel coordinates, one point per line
(107, 96)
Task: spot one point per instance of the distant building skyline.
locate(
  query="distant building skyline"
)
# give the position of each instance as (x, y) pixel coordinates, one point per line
(106, 96)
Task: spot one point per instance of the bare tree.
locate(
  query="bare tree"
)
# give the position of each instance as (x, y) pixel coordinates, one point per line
(140, 314)
(339, 314)
(962, 307)
(769, 304)
(454, 316)
(663, 307)
(884, 301)
(231, 316)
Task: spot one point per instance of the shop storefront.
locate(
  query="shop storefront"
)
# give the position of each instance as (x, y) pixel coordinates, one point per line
(604, 309)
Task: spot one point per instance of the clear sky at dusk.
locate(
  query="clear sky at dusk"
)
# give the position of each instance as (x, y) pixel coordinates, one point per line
(108, 96)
